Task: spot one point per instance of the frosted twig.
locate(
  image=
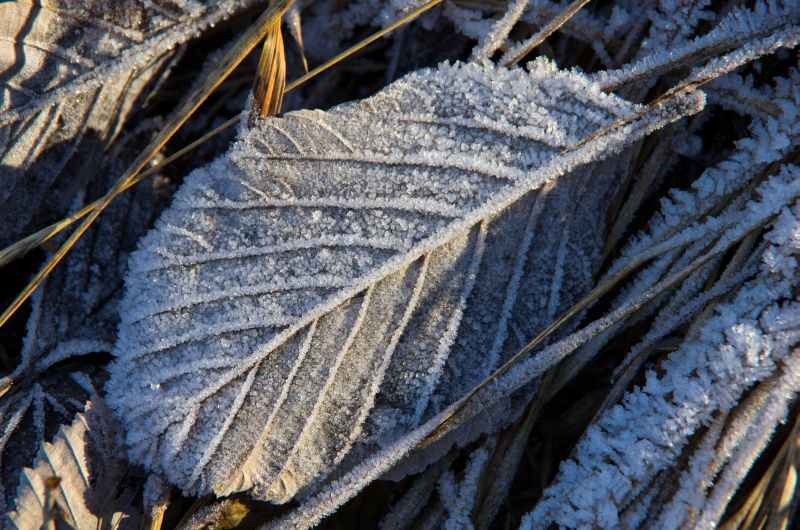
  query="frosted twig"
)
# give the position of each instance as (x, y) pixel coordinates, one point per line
(499, 32)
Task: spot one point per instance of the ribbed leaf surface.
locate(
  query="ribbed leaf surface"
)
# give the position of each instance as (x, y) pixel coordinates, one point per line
(340, 276)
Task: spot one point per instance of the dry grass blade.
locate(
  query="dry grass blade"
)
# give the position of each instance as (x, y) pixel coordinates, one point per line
(271, 74)
(516, 53)
(679, 90)
(746, 250)
(212, 80)
(296, 29)
(25, 245)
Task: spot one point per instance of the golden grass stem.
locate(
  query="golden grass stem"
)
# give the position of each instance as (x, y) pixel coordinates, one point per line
(270, 83)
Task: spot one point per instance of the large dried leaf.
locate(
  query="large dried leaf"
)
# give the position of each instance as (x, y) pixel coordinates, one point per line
(77, 477)
(71, 72)
(339, 277)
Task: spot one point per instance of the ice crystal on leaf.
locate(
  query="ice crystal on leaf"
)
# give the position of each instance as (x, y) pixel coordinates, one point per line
(340, 277)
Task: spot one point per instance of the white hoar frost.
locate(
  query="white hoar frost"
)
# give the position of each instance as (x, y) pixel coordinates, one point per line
(339, 277)
(750, 337)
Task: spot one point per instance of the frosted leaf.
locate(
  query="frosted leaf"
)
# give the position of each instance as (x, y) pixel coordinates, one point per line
(72, 71)
(74, 312)
(85, 458)
(155, 496)
(32, 412)
(339, 278)
(700, 248)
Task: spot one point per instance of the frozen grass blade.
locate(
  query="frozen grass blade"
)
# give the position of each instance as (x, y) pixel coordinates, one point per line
(499, 32)
(770, 502)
